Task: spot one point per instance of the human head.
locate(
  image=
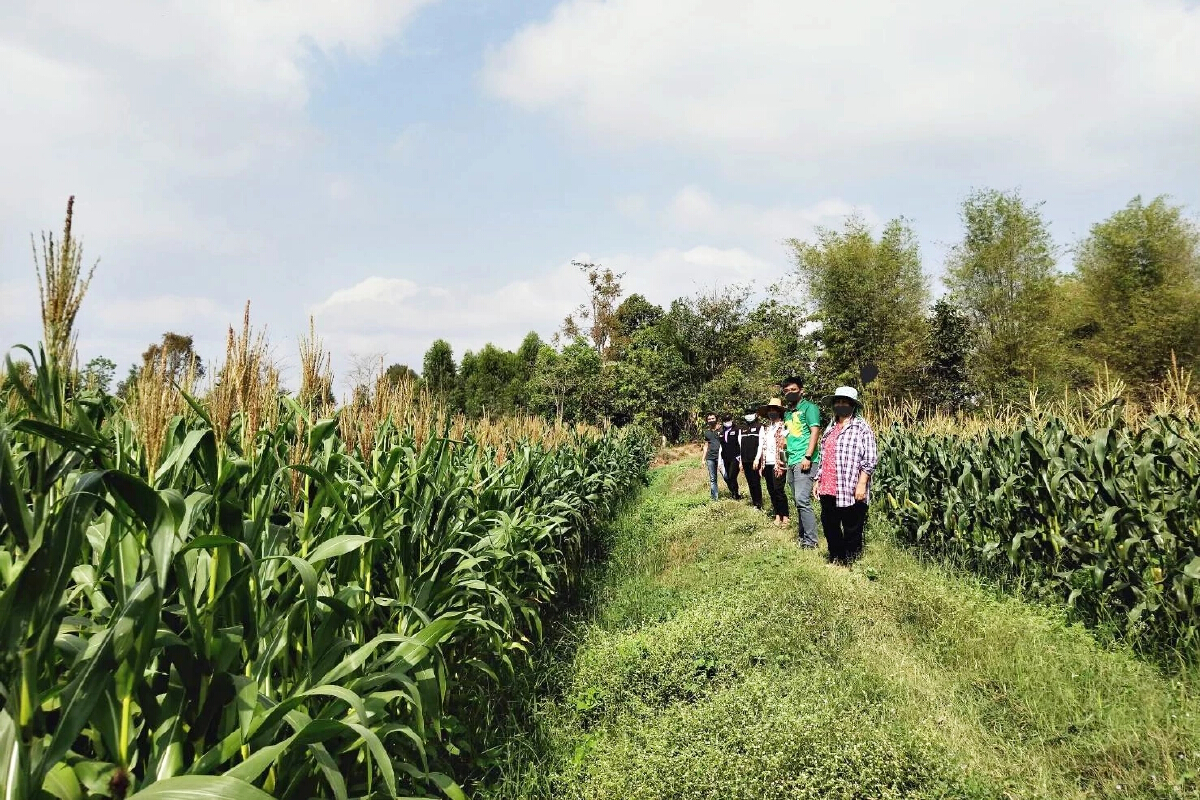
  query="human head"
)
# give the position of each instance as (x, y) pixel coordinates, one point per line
(710, 420)
(751, 416)
(728, 419)
(773, 410)
(793, 389)
(845, 402)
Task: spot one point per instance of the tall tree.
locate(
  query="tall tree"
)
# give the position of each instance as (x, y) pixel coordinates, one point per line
(947, 383)
(710, 331)
(487, 381)
(397, 374)
(98, 373)
(869, 297)
(1140, 273)
(647, 385)
(568, 384)
(1002, 274)
(634, 314)
(595, 319)
(178, 353)
(439, 369)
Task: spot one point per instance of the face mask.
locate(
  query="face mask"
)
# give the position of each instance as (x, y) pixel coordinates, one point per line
(773, 416)
(712, 423)
(728, 423)
(841, 410)
(792, 396)
(751, 417)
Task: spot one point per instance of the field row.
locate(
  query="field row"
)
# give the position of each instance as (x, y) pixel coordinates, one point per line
(276, 611)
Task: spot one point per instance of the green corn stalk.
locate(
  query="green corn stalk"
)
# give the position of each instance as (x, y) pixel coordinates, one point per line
(203, 628)
(1107, 523)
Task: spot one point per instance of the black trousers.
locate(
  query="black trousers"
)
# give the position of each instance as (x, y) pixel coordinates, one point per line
(779, 501)
(731, 473)
(754, 483)
(843, 529)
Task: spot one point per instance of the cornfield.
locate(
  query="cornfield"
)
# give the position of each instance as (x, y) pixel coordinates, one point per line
(1106, 521)
(263, 597)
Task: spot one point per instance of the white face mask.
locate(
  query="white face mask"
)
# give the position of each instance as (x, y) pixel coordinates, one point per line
(729, 424)
(751, 417)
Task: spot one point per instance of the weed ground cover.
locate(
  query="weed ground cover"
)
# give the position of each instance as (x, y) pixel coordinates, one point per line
(719, 660)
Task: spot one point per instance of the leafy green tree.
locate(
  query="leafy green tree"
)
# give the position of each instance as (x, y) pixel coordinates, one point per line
(947, 382)
(634, 314)
(780, 345)
(728, 393)
(710, 332)
(397, 374)
(1139, 272)
(1002, 274)
(439, 369)
(869, 297)
(568, 384)
(98, 373)
(647, 386)
(487, 381)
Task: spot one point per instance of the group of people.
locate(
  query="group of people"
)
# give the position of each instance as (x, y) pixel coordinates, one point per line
(782, 444)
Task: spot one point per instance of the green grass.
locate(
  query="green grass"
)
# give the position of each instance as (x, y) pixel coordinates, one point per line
(720, 661)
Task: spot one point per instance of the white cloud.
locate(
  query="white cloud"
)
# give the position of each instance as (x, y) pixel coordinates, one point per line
(1085, 88)
(401, 318)
(694, 209)
(127, 101)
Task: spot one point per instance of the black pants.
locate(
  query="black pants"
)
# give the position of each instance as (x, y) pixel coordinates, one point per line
(754, 483)
(779, 501)
(843, 529)
(731, 473)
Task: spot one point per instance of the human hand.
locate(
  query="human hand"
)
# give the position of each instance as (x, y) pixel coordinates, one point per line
(860, 492)
(805, 464)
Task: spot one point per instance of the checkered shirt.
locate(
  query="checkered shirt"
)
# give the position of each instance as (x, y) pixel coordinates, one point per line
(855, 453)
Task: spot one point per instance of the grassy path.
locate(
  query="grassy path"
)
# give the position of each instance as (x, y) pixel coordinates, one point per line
(723, 662)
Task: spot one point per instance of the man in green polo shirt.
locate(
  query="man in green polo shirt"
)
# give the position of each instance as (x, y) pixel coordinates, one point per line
(802, 420)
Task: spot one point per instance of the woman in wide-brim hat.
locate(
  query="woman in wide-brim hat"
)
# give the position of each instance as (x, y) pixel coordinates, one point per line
(770, 442)
(848, 457)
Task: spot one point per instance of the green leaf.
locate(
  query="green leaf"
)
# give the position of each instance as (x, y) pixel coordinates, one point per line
(1192, 570)
(202, 787)
(62, 783)
(337, 546)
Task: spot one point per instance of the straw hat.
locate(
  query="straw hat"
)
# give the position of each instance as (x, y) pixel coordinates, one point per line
(774, 403)
(846, 392)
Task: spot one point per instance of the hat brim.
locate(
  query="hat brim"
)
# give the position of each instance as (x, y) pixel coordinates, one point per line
(764, 409)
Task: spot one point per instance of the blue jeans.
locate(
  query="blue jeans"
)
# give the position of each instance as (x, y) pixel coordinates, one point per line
(802, 491)
(712, 476)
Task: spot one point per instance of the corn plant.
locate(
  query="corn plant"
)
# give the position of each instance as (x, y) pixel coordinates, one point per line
(1109, 523)
(246, 613)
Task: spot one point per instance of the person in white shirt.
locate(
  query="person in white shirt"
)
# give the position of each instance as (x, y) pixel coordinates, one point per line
(768, 453)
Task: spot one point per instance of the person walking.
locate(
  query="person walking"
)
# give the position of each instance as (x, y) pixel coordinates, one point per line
(849, 454)
(799, 459)
(731, 455)
(750, 437)
(770, 442)
(711, 449)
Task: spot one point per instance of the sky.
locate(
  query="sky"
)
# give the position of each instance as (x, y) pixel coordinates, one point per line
(406, 170)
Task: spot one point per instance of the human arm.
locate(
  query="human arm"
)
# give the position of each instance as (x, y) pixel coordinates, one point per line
(867, 461)
(812, 419)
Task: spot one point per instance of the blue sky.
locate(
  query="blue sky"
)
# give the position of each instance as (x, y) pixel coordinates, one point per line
(416, 169)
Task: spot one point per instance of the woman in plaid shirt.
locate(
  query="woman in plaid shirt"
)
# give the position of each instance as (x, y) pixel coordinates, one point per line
(848, 458)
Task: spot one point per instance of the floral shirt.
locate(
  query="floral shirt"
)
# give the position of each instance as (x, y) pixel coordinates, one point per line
(848, 449)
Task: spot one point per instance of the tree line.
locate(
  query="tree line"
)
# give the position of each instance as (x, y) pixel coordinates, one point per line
(1019, 315)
